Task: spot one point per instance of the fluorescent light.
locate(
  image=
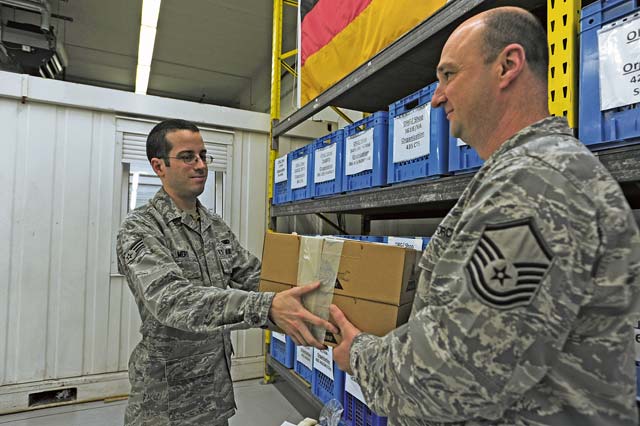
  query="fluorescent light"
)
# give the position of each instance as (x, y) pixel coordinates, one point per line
(148, 24)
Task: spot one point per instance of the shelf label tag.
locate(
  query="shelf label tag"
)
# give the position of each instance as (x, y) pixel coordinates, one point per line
(411, 136)
(304, 355)
(619, 49)
(299, 172)
(325, 164)
(359, 152)
(281, 170)
(412, 243)
(279, 336)
(323, 361)
(351, 386)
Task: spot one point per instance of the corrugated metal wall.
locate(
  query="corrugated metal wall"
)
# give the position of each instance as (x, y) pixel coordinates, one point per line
(57, 190)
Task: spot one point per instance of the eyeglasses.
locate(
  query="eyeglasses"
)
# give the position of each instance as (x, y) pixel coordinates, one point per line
(191, 159)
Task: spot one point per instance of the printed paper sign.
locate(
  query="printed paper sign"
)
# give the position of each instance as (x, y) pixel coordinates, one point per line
(281, 170)
(413, 243)
(359, 152)
(304, 355)
(323, 361)
(460, 142)
(299, 172)
(411, 134)
(619, 46)
(637, 337)
(351, 386)
(325, 164)
(279, 336)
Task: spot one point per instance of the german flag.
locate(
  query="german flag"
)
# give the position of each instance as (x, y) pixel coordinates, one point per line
(337, 36)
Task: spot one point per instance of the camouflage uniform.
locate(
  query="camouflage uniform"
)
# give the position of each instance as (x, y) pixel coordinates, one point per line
(526, 301)
(190, 280)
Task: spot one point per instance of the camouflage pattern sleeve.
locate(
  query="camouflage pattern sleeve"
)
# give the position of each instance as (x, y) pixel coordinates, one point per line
(161, 285)
(502, 297)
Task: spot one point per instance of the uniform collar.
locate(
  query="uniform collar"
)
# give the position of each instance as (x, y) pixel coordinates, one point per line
(170, 212)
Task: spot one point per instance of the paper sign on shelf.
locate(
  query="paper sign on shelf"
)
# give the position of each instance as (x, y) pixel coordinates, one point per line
(304, 355)
(299, 172)
(619, 49)
(411, 136)
(325, 164)
(351, 386)
(281, 170)
(414, 243)
(323, 361)
(637, 338)
(279, 336)
(359, 152)
(460, 142)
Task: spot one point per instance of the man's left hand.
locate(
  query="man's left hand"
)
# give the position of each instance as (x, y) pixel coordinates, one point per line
(348, 332)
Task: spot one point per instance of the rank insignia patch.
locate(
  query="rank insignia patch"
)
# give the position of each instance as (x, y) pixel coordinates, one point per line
(508, 264)
(136, 250)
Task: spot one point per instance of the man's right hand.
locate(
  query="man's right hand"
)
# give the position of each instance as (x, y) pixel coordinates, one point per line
(288, 313)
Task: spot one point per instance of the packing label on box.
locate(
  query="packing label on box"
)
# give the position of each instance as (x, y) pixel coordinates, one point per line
(299, 172)
(637, 338)
(323, 361)
(304, 355)
(619, 49)
(279, 336)
(281, 170)
(351, 386)
(359, 150)
(411, 134)
(413, 243)
(325, 164)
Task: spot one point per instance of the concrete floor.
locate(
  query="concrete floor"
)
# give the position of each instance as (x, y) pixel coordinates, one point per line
(258, 404)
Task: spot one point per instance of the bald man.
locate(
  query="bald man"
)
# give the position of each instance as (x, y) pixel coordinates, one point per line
(528, 292)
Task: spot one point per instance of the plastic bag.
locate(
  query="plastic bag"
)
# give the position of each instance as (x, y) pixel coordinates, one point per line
(331, 413)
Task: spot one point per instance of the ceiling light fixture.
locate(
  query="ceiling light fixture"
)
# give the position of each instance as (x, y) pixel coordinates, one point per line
(148, 24)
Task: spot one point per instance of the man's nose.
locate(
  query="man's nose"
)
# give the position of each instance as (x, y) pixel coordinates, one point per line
(438, 98)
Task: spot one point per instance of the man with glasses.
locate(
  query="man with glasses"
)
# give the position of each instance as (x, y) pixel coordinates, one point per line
(191, 280)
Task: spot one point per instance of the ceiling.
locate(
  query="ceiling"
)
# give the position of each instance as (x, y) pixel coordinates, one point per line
(208, 51)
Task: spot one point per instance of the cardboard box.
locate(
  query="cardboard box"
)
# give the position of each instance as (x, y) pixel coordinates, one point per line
(371, 317)
(370, 271)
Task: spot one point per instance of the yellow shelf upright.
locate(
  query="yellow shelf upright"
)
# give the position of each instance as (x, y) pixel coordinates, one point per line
(562, 35)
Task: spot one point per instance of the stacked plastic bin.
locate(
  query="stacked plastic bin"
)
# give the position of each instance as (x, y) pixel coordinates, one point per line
(300, 163)
(303, 362)
(418, 138)
(282, 348)
(356, 412)
(322, 385)
(365, 152)
(281, 179)
(327, 164)
(614, 119)
(462, 158)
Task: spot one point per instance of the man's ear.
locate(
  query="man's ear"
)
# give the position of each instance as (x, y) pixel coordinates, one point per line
(158, 166)
(512, 61)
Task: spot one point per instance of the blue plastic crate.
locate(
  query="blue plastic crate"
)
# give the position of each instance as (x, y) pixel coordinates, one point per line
(326, 389)
(332, 141)
(462, 158)
(435, 163)
(283, 352)
(282, 190)
(596, 128)
(301, 369)
(307, 191)
(358, 414)
(371, 238)
(377, 174)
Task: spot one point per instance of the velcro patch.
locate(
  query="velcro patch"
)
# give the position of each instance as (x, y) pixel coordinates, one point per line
(508, 264)
(138, 249)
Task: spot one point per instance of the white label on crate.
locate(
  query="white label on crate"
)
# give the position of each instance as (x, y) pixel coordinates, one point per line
(325, 164)
(359, 152)
(351, 386)
(619, 46)
(281, 170)
(323, 361)
(413, 243)
(637, 337)
(279, 336)
(411, 134)
(299, 172)
(304, 355)
(460, 142)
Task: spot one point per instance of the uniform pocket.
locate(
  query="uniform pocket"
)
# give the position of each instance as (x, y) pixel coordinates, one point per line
(190, 268)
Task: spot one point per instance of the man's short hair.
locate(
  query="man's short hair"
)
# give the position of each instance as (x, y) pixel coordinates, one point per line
(157, 144)
(504, 27)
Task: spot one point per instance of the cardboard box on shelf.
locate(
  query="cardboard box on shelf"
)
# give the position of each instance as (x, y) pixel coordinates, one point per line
(370, 271)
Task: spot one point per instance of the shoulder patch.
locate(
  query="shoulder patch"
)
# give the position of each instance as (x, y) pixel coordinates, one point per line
(508, 264)
(136, 250)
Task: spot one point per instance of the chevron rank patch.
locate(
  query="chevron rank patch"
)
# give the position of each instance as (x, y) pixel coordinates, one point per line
(136, 250)
(508, 264)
